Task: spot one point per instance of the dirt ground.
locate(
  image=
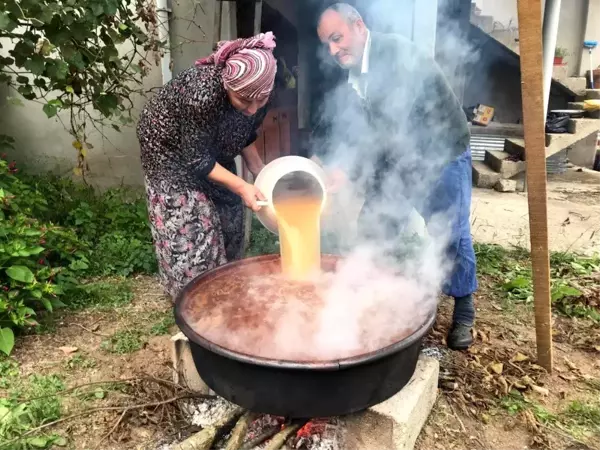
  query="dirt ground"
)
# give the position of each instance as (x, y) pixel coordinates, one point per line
(573, 214)
(466, 415)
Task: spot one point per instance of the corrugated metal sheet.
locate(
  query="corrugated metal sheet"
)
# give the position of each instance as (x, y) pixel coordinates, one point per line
(479, 144)
(557, 163)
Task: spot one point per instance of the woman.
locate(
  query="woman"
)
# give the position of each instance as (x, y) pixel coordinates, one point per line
(189, 135)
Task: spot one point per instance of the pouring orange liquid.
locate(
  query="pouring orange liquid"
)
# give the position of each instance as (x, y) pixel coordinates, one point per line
(298, 221)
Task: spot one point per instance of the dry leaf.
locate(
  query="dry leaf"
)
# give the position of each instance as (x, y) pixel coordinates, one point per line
(496, 307)
(519, 385)
(597, 348)
(519, 357)
(527, 380)
(568, 377)
(570, 365)
(503, 383)
(497, 367)
(540, 390)
(68, 350)
(537, 367)
(485, 418)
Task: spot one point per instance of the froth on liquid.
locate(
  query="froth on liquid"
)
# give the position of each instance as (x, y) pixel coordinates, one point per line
(298, 220)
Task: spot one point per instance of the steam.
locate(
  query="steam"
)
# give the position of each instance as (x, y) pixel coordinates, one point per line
(407, 298)
(391, 276)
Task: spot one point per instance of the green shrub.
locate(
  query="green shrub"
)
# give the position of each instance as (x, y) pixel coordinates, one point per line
(55, 235)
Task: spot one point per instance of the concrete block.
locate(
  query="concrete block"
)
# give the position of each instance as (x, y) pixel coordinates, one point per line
(515, 147)
(592, 94)
(504, 163)
(184, 370)
(575, 105)
(483, 176)
(396, 423)
(560, 72)
(506, 186)
(575, 84)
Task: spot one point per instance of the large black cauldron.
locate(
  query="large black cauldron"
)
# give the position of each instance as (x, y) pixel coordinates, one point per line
(301, 390)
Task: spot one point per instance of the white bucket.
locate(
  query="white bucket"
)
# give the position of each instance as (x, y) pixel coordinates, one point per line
(273, 172)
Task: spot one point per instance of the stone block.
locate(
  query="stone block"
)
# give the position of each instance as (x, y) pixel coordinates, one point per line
(575, 105)
(483, 176)
(396, 423)
(503, 163)
(560, 72)
(184, 370)
(592, 94)
(575, 84)
(506, 186)
(515, 147)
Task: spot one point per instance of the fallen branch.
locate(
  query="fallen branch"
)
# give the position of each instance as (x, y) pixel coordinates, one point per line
(261, 438)
(115, 426)
(204, 439)
(101, 408)
(239, 432)
(279, 439)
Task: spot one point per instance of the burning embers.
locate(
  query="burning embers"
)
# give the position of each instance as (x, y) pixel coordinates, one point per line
(228, 427)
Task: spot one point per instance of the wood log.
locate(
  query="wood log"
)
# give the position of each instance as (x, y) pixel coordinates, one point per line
(239, 432)
(530, 44)
(279, 439)
(263, 437)
(204, 439)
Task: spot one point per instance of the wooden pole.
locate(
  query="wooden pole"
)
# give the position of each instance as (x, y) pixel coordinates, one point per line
(530, 43)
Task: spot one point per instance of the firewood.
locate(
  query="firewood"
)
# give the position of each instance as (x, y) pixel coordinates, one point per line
(204, 439)
(239, 432)
(279, 439)
(252, 443)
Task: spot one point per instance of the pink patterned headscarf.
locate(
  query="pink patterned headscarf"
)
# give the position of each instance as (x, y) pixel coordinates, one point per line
(249, 66)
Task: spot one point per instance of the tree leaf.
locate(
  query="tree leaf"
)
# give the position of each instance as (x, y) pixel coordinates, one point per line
(5, 22)
(50, 110)
(36, 64)
(7, 340)
(20, 273)
(60, 441)
(47, 304)
(39, 441)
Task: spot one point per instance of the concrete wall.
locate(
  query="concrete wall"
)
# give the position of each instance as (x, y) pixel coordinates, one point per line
(579, 20)
(44, 145)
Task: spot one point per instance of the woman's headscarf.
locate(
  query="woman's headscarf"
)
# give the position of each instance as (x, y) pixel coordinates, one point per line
(249, 66)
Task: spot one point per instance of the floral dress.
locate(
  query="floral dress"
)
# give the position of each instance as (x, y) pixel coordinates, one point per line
(183, 131)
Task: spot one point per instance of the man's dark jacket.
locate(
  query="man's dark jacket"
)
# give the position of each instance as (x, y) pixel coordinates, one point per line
(409, 125)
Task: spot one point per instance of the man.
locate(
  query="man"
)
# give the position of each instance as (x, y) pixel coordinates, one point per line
(410, 138)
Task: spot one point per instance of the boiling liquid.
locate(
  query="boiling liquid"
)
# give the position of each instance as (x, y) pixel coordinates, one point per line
(298, 220)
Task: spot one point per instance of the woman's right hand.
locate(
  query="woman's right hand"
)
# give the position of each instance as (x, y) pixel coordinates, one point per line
(336, 180)
(250, 195)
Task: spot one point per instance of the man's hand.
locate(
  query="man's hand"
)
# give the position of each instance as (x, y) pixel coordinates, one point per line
(336, 180)
(250, 195)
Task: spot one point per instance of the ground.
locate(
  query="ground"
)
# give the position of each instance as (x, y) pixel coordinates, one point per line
(493, 397)
(573, 215)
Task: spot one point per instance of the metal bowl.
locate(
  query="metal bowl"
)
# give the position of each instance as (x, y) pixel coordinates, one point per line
(297, 389)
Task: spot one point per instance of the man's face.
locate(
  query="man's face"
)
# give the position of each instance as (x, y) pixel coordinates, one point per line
(345, 41)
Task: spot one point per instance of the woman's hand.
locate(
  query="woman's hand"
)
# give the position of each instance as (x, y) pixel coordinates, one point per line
(250, 195)
(336, 180)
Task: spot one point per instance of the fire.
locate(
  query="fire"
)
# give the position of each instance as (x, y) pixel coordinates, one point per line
(312, 427)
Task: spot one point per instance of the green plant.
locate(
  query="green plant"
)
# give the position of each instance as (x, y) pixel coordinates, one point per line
(48, 254)
(80, 361)
(123, 342)
(163, 326)
(560, 52)
(262, 241)
(30, 404)
(79, 55)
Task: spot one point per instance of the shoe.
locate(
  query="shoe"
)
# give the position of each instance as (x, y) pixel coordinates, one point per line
(460, 337)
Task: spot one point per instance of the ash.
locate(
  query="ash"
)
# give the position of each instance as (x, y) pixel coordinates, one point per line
(434, 352)
(208, 412)
(331, 436)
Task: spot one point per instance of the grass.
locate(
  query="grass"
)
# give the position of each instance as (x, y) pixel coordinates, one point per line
(80, 361)
(163, 325)
(18, 414)
(103, 294)
(510, 269)
(123, 342)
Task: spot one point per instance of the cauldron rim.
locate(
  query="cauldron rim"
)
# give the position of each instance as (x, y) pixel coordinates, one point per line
(331, 365)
